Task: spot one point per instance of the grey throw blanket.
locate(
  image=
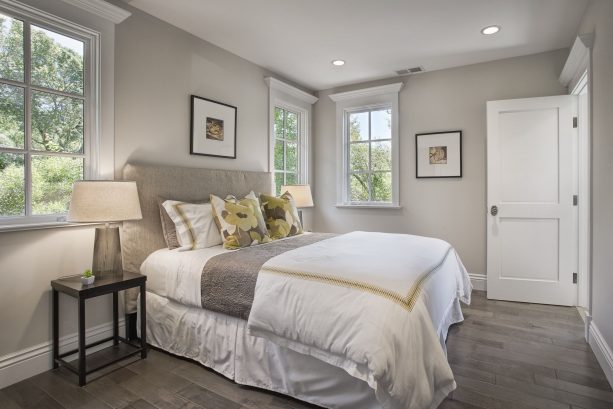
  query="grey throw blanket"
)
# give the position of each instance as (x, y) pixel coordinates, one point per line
(228, 279)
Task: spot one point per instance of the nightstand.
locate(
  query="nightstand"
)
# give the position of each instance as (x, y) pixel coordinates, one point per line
(122, 348)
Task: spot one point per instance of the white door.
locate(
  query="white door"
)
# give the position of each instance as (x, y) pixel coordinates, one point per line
(531, 251)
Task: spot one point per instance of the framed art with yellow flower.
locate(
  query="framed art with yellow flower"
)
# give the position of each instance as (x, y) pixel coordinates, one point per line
(438, 154)
(213, 128)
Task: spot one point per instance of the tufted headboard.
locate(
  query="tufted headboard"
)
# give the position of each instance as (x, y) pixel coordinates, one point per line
(141, 238)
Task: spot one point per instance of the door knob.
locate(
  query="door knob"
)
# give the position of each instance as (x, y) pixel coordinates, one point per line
(494, 210)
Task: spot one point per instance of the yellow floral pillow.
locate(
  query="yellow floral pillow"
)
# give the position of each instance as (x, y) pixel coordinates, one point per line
(240, 222)
(281, 214)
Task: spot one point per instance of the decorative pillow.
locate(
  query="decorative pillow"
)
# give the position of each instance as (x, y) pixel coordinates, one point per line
(168, 227)
(240, 222)
(194, 224)
(281, 214)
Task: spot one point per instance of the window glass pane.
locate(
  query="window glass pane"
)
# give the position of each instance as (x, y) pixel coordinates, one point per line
(358, 188)
(382, 187)
(381, 124)
(278, 122)
(358, 126)
(358, 156)
(279, 155)
(57, 123)
(291, 179)
(291, 125)
(12, 134)
(52, 179)
(381, 154)
(291, 150)
(11, 48)
(12, 180)
(57, 61)
(278, 182)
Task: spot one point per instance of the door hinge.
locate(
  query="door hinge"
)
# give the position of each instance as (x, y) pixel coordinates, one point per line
(575, 200)
(574, 278)
(575, 120)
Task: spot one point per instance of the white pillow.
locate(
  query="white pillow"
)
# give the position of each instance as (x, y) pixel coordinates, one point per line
(195, 224)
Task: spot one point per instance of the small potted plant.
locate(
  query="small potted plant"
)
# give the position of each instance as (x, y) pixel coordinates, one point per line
(87, 278)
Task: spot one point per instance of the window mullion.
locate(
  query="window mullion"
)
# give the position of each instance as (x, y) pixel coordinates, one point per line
(27, 58)
(370, 197)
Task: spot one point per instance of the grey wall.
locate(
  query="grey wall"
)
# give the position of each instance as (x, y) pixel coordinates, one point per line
(157, 67)
(452, 99)
(599, 19)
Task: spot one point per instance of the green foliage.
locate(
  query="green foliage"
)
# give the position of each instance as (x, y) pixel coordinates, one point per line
(87, 273)
(57, 121)
(371, 181)
(286, 148)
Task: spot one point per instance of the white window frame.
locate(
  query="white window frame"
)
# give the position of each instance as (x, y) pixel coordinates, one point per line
(385, 96)
(91, 105)
(292, 99)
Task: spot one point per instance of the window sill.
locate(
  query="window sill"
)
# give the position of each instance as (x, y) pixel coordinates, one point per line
(42, 226)
(368, 206)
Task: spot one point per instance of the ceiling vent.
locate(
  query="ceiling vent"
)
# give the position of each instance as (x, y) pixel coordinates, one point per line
(408, 71)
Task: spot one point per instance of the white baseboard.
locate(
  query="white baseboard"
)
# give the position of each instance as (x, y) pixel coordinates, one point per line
(479, 281)
(31, 361)
(602, 350)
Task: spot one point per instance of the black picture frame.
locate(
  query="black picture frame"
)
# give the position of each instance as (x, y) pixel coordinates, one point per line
(193, 150)
(417, 157)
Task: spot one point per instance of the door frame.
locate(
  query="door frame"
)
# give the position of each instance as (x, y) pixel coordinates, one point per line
(584, 216)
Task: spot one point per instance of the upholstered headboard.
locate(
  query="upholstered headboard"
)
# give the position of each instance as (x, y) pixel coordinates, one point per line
(141, 238)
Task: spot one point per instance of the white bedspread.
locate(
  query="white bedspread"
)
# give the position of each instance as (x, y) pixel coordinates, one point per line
(355, 302)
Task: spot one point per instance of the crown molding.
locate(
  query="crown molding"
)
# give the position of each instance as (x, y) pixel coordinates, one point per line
(275, 84)
(367, 92)
(578, 58)
(102, 9)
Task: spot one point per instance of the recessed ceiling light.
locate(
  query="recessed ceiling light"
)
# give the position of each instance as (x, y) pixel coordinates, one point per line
(338, 62)
(490, 30)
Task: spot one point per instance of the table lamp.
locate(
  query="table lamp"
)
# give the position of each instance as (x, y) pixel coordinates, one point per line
(302, 196)
(105, 201)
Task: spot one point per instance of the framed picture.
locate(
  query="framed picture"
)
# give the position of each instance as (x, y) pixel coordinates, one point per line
(438, 154)
(213, 128)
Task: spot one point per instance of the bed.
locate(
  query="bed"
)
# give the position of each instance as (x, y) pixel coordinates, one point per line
(284, 342)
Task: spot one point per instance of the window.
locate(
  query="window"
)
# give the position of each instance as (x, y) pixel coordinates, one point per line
(290, 110)
(45, 126)
(287, 148)
(369, 141)
(367, 124)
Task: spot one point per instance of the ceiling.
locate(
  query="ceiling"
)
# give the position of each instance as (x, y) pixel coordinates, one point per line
(298, 39)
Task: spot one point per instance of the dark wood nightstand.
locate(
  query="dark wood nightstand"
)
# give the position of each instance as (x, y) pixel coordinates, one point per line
(121, 348)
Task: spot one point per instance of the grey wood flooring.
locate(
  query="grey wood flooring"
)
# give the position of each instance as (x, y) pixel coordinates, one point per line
(504, 356)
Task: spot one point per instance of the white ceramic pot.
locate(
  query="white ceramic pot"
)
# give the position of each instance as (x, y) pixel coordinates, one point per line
(87, 280)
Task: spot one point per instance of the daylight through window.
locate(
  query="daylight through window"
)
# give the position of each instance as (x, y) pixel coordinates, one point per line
(287, 148)
(43, 138)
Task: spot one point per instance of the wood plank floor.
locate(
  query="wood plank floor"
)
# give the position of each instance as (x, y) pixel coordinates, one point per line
(504, 356)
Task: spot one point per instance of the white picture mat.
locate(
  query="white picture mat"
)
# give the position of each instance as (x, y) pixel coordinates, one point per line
(200, 143)
(452, 140)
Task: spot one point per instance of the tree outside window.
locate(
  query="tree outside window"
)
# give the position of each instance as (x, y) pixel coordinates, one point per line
(42, 124)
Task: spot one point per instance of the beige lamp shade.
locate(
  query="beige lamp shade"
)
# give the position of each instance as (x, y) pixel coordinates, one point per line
(301, 194)
(104, 201)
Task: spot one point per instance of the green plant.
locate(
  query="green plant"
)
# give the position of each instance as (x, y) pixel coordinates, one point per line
(88, 273)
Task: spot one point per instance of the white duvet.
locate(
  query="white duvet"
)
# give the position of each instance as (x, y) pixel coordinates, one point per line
(355, 301)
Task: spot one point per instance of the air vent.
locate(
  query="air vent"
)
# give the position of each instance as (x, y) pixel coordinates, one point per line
(407, 71)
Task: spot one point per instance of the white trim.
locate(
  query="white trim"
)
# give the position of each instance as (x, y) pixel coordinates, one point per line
(31, 361)
(602, 350)
(367, 92)
(278, 85)
(366, 99)
(102, 9)
(578, 60)
(479, 281)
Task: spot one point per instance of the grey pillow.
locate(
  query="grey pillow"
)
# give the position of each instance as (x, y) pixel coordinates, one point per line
(168, 227)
